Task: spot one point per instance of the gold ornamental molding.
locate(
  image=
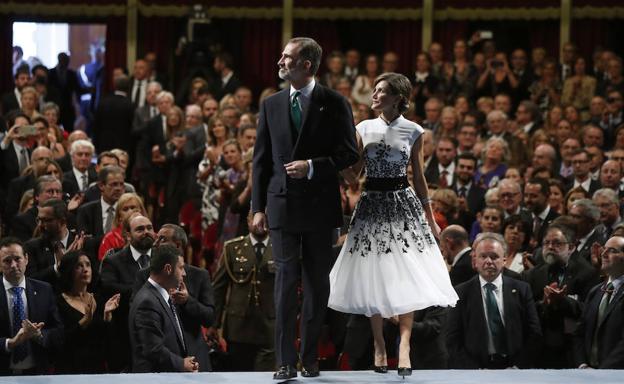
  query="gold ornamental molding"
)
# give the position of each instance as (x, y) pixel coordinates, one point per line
(40, 9)
(497, 13)
(597, 12)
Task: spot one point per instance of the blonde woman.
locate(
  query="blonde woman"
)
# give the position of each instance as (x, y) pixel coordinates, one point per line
(127, 204)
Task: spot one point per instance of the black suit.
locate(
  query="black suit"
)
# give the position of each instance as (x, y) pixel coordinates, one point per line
(428, 346)
(594, 185)
(462, 271)
(68, 86)
(197, 312)
(599, 236)
(152, 135)
(302, 213)
(41, 259)
(230, 87)
(113, 124)
(475, 197)
(117, 275)
(157, 346)
(15, 191)
(552, 215)
(467, 337)
(42, 307)
(9, 102)
(24, 224)
(89, 217)
(9, 166)
(432, 173)
(557, 318)
(72, 186)
(610, 331)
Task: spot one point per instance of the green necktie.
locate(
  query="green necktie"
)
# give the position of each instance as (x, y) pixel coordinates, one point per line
(602, 311)
(495, 322)
(295, 111)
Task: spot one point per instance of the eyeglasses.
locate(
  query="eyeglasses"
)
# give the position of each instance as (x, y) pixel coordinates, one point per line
(579, 161)
(554, 243)
(508, 195)
(611, 251)
(613, 99)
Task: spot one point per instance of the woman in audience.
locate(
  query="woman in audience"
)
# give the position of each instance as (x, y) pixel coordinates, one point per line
(47, 137)
(363, 85)
(494, 158)
(449, 120)
(85, 321)
(227, 181)
(53, 168)
(51, 112)
(579, 89)
(557, 192)
(29, 102)
(573, 195)
(517, 234)
(546, 91)
(444, 202)
(127, 204)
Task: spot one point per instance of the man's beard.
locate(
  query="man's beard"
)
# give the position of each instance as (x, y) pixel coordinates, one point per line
(144, 243)
(551, 258)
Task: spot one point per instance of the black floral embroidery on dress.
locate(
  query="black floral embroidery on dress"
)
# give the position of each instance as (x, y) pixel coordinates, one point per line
(384, 160)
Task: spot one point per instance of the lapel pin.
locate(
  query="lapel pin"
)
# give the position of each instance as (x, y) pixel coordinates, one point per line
(321, 109)
(513, 291)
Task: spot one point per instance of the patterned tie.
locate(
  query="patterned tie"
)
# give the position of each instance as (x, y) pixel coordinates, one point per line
(495, 322)
(295, 111)
(144, 261)
(177, 322)
(136, 97)
(602, 311)
(19, 314)
(442, 182)
(110, 214)
(23, 160)
(85, 182)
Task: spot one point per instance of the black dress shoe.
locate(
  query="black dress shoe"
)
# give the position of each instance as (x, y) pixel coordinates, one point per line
(405, 372)
(381, 368)
(309, 372)
(285, 372)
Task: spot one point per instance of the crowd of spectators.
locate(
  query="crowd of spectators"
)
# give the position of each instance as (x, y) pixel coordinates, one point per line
(524, 155)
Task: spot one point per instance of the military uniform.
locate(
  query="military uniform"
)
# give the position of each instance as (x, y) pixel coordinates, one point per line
(243, 289)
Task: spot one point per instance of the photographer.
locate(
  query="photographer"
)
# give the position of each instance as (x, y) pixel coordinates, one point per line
(497, 78)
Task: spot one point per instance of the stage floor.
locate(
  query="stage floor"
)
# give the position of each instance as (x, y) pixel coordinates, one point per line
(421, 377)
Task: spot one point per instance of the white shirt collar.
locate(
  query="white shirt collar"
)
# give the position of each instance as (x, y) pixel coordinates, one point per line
(305, 91)
(163, 292)
(255, 241)
(459, 255)
(498, 282)
(585, 184)
(617, 283)
(105, 206)
(136, 254)
(584, 240)
(8, 285)
(527, 127)
(421, 76)
(449, 168)
(79, 174)
(18, 96)
(65, 238)
(121, 93)
(544, 213)
(227, 77)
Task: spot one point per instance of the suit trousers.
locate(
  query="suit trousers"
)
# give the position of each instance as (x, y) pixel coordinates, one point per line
(305, 255)
(251, 357)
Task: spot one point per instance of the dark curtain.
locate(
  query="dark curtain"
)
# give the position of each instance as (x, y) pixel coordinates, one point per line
(6, 48)
(262, 45)
(160, 35)
(590, 34)
(447, 31)
(325, 32)
(404, 38)
(544, 33)
(115, 46)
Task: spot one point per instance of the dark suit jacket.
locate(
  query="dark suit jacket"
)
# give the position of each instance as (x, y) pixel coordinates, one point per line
(552, 215)
(428, 339)
(117, 275)
(152, 135)
(155, 341)
(41, 259)
(16, 189)
(71, 186)
(9, 167)
(113, 124)
(594, 185)
(475, 197)
(327, 138)
(67, 90)
(610, 331)
(24, 224)
(41, 308)
(221, 89)
(197, 312)
(467, 337)
(599, 236)
(89, 218)
(432, 174)
(462, 271)
(9, 102)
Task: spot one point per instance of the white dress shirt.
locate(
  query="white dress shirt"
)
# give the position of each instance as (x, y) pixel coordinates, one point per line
(105, 206)
(304, 102)
(28, 362)
(498, 295)
(136, 254)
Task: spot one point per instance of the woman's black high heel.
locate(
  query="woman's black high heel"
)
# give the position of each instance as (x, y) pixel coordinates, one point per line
(380, 368)
(404, 372)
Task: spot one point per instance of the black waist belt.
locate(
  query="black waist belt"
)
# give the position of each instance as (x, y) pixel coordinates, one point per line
(386, 183)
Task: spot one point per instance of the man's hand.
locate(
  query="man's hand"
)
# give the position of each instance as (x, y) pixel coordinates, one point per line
(297, 169)
(75, 201)
(179, 296)
(111, 305)
(190, 365)
(31, 330)
(259, 222)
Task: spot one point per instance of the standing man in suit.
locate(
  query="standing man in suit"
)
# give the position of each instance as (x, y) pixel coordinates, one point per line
(148, 111)
(112, 126)
(536, 193)
(608, 202)
(599, 342)
(13, 100)
(138, 83)
(66, 81)
(495, 324)
(444, 174)
(305, 137)
(581, 176)
(23, 225)
(559, 287)
(82, 173)
(14, 151)
(30, 325)
(456, 250)
(226, 81)
(471, 196)
(118, 275)
(589, 230)
(156, 335)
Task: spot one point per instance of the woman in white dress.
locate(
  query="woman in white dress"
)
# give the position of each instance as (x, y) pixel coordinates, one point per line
(390, 264)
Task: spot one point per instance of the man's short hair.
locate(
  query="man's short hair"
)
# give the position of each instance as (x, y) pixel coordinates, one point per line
(491, 236)
(543, 184)
(567, 232)
(110, 170)
(468, 156)
(106, 154)
(41, 180)
(163, 255)
(59, 208)
(10, 240)
(81, 143)
(179, 235)
(590, 210)
(309, 50)
(607, 193)
(456, 233)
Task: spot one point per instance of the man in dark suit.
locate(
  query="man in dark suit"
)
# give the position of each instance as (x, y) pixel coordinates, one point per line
(428, 342)
(33, 330)
(148, 111)
(194, 297)
(82, 173)
(581, 176)
(66, 81)
(156, 335)
(137, 85)
(456, 250)
(510, 197)
(112, 127)
(118, 275)
(226, 81)
(15, 152)
(96, 217)
(23, 225)
(305, 136)
(599, 342)
(494, 324)
(12, 100)
(471, 196)
(559, 287)
(536, 193)
(444, 174)
(608, 202)
(247, 322)
(589, 230)
(497, 121)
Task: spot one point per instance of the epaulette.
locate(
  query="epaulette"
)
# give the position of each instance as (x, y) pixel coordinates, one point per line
(234, 240)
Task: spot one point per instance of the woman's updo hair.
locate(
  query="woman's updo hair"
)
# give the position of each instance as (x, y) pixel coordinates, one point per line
(397, 85)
